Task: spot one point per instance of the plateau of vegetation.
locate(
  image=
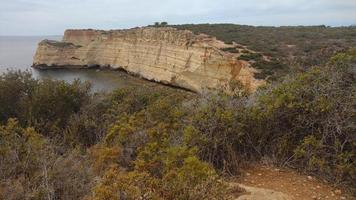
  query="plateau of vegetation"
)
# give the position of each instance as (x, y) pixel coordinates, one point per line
(289, 49)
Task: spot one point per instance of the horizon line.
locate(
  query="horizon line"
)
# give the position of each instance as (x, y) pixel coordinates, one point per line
(227, 23)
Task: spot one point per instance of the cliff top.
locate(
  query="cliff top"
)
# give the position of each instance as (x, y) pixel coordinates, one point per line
(170, 34)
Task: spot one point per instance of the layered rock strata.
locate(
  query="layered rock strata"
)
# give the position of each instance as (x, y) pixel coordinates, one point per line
(167, 55)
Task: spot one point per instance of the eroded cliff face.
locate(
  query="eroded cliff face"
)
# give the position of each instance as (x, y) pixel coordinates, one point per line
(167, 55)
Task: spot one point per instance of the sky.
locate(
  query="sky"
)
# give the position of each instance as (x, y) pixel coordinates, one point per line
(52, 17)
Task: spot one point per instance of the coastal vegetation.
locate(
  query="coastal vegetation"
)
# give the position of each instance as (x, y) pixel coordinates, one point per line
(59, 140)
(288, 49)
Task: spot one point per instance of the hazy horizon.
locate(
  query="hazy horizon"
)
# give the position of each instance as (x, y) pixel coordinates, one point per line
(42, 17)
(61, 34)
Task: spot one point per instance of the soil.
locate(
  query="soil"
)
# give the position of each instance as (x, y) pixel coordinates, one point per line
(266, 182)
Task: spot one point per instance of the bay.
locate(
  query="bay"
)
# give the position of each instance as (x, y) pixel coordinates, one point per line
(16, 53)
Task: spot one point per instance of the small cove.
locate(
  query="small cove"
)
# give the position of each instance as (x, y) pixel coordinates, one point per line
(16, 53)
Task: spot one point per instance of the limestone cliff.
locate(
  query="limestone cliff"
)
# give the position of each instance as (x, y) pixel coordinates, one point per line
(166, 55)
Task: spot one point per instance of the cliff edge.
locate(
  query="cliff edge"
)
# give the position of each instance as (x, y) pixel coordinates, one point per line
(167, 55)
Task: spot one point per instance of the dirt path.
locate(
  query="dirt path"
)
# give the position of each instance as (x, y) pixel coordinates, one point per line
(262, 182)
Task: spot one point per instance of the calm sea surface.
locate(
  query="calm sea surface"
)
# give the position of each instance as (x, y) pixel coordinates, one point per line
(16, 53)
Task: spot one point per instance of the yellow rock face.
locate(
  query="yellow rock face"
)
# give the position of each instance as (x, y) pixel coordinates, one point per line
(167, 55)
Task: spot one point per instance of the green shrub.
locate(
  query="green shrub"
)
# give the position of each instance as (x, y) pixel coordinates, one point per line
(214, 132)
(251, 56)
(308, 119)
(52, 104)
(15, 89)
(46, 105)
(268, 70)
(25, 158)
(163, 170)
(231, 49)
(89, 126)
(30, 169)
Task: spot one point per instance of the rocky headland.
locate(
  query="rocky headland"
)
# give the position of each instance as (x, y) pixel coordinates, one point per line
(167, 55)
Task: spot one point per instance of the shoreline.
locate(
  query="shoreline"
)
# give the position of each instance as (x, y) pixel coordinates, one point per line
(45, 67)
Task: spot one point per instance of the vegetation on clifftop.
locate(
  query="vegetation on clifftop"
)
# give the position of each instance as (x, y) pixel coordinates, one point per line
(289, 48)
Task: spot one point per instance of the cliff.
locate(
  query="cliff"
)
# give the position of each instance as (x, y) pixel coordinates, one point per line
(166, 55)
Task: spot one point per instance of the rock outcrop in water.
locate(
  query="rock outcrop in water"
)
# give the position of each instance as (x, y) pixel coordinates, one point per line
(167, 55)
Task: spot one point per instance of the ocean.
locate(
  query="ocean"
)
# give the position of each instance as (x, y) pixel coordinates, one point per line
(16, 53)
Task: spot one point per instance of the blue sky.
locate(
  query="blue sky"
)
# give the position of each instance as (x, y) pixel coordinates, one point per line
(52, 17)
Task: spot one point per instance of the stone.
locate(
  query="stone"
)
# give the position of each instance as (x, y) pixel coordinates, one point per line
(166, 55)
(254, 193)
